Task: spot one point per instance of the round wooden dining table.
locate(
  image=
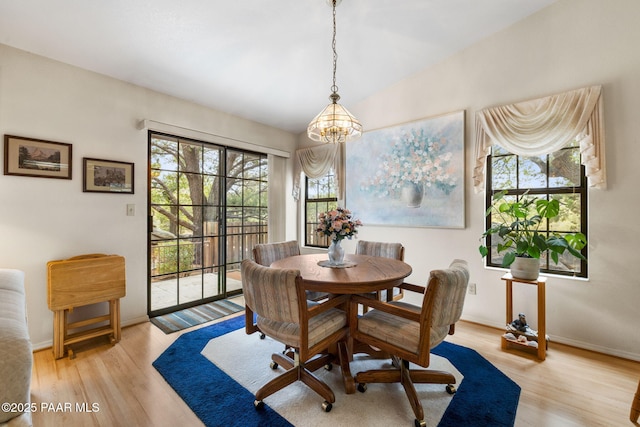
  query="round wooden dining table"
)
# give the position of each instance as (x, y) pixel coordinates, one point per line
(361, 274)
(364, 273)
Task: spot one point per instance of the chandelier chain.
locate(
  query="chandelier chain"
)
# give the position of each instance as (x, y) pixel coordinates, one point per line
(334, 88)
(335, 124)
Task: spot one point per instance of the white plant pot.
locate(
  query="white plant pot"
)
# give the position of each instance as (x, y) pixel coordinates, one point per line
(525, 268)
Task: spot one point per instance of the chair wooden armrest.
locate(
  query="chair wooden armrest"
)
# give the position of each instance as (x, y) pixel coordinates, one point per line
(327, 305)
(384, 306)
(413, 288)
(635, 406)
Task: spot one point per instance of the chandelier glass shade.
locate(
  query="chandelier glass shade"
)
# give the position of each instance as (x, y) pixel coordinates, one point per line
(335, 124)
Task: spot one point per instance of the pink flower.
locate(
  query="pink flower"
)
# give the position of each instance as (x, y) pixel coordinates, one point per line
(338, 224)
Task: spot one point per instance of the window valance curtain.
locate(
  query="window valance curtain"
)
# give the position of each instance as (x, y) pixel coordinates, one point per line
(316, 162)
(542, 126)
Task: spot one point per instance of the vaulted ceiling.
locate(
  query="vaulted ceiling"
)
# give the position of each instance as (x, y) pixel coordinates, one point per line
(268, 61)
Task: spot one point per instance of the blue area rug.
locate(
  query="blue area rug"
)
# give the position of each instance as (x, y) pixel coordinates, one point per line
(486, 397)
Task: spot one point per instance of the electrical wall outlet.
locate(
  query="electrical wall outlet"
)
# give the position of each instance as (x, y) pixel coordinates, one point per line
(471, 289)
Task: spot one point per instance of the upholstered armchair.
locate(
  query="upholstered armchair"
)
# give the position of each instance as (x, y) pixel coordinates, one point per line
(408, 332)
(266, 253)
(306, 328)
(386, 250)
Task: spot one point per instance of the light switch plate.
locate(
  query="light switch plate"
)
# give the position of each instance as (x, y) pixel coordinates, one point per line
(471, 289)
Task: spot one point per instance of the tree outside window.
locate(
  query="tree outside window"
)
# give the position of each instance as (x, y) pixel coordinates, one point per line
(558, 175)
(320, 196)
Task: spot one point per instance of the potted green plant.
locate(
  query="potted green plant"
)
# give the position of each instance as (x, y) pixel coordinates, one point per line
(517, 223)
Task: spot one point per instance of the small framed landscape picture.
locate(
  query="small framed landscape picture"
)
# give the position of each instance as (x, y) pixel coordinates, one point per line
(107, 176)
(36, 157)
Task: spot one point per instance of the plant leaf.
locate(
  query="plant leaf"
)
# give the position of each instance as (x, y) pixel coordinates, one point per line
(508, 259)
(533, 252)
(576, 240)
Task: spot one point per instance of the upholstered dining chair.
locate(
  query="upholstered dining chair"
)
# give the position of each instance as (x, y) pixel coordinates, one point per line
(266, 253)
(408, 332)
(387, 250)
(306, 328)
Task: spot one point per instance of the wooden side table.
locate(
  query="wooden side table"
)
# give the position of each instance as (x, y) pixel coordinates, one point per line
(542, 327)
(79, 281)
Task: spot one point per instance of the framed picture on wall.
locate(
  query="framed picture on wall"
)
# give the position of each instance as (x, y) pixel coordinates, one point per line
(107, 176)
(409, 175)
(36, 157)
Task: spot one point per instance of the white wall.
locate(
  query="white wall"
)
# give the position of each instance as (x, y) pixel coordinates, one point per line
(48, 219)
(571, 44)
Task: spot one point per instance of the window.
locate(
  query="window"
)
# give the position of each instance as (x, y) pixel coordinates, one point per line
(558, 175)
(320, 196)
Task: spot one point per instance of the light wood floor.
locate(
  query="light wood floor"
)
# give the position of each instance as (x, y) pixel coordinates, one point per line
(571, 388)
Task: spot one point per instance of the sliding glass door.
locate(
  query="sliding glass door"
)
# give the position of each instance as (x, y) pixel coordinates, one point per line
(208, 207)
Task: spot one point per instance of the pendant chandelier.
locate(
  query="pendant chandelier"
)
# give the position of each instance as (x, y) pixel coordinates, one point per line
(334, 124)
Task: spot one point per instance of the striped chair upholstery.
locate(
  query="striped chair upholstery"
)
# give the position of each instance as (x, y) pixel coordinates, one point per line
(409, 332)
(278, 299)
(267, 253)
(386, 250)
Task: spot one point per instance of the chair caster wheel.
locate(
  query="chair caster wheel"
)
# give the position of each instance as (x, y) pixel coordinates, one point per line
(326, 406)
(262, 336)
(258, 404)
(328, 366)
(362, 387)
(274, 365)
(420, 423)
(451, 389)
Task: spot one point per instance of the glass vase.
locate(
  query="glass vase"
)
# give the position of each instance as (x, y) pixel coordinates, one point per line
(336, 253)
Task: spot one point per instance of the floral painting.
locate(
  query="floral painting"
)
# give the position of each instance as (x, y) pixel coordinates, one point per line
(409, 175)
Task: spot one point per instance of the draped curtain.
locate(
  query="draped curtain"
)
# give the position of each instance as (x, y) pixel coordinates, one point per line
(542, 126)
(316, 162)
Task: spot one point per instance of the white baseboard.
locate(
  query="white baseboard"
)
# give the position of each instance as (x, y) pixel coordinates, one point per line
(135, 321)
(129, 322)
(568, 341)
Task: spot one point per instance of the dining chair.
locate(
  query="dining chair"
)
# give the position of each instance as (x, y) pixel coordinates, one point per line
(266, 253)
(408, 332)
(306, 328)
(387, 250)
(635, 406)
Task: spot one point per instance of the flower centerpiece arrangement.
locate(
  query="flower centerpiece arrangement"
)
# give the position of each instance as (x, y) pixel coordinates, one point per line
(338, 224)
(517, 225)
